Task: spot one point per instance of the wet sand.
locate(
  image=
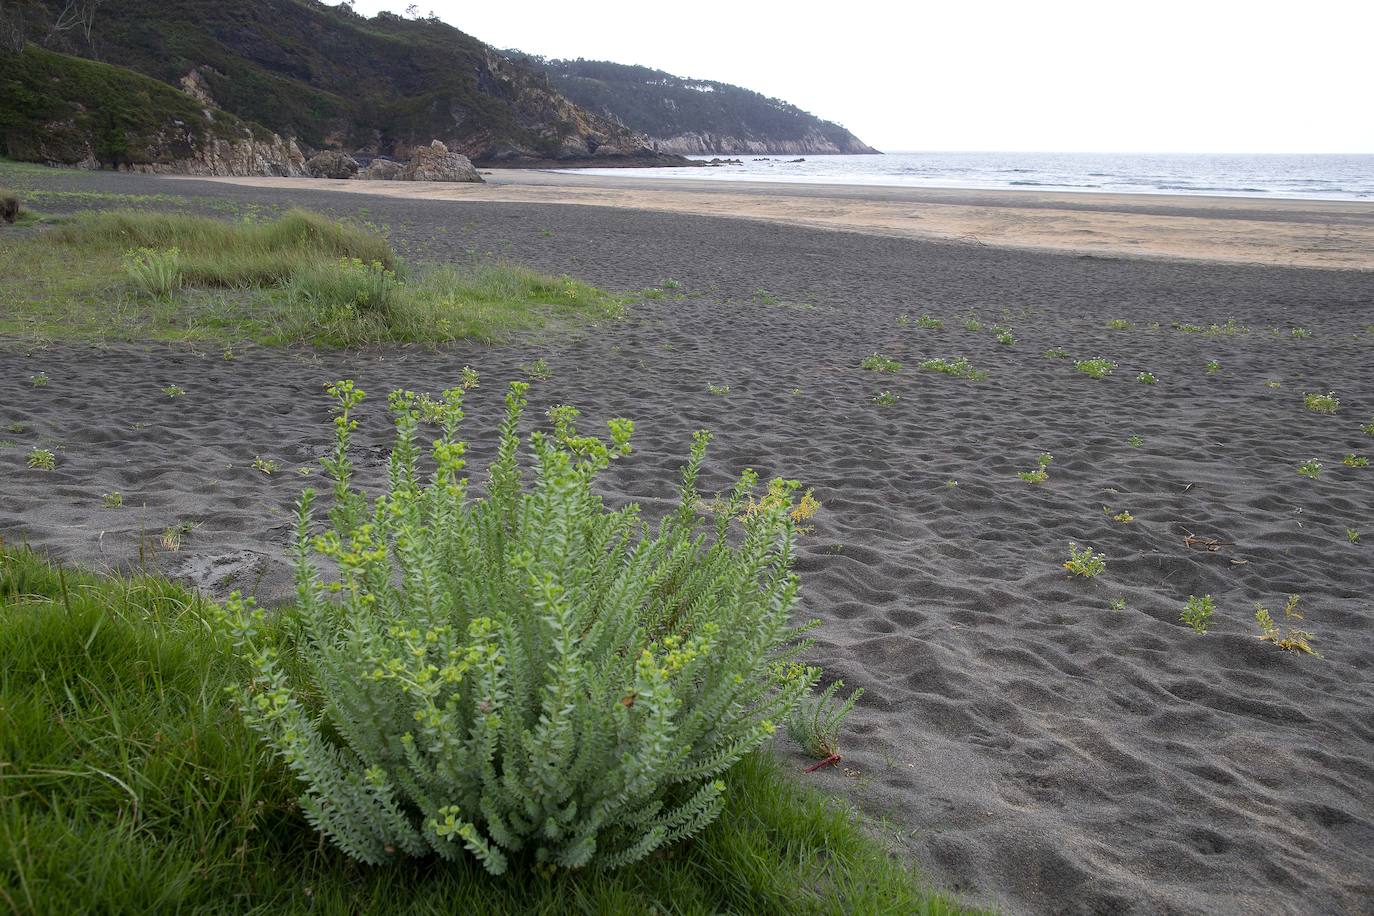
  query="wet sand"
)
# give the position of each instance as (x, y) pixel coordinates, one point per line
(1023, 742)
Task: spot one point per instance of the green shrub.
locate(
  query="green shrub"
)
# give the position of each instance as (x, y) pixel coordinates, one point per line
(527, 674)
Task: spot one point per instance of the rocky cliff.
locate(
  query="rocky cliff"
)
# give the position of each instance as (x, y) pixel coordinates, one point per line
(694, 117)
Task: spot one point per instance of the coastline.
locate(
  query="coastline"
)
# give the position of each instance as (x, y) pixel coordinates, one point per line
(1280, 232)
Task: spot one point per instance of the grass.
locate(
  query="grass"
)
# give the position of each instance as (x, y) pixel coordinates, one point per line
(42, 459)
(130, 779)
(302, 278)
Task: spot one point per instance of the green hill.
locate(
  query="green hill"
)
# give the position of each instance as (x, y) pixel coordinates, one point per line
(682, 115)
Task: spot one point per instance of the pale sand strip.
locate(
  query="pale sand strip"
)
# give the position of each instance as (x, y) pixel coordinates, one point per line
(1293, 233)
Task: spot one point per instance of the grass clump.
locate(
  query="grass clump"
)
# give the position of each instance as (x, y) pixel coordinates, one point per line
(1311, 469)
(42, 459)
(302, 278)
(1317, 402)
(886, 399)
(1146, 378)
(879, 363)
(930, 323)
(959, 367)
(130, 781)
(1098, 367)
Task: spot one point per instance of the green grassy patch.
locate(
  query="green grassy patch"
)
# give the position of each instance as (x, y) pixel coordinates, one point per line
(302, 278)
(126, 775)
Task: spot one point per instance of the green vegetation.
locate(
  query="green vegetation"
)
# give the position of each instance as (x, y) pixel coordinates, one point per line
(1198, 613)
(1352, 535)
(973, 324)
(1146, 378)
(301, 278)
(112, 500)
(1368, 428)
(1041, 472)
(1117, 604)
(173, 391)
(885, 399)
(1353, 460)
(1084, 562)
(1300, 333)
(1273, 383)
(265, 465)
(1004, 335)
(1056, 353)
(539, 369)
(129, 778)
(42, 459)
(926, 321)
(1213, 367)
(718, 390)
(38, 380)
(959, 367)
(1322, 403)
(1119, 324)
(815, 724)
(1124, 516)
(879, 363)
(1095, 368)
(1135, 441)
(1311, 468)
(1294, 639)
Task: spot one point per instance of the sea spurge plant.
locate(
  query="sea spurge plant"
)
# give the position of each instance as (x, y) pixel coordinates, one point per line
(527, 677)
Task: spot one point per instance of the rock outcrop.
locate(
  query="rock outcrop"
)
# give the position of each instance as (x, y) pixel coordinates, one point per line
(436, 163)
(813, 143)
(247, 156)
(331, 164)
(382, 170)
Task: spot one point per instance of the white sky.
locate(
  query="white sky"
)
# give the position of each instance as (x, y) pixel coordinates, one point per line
(1034, 75)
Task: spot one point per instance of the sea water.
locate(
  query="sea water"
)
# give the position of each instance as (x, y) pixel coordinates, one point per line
(1313, 177)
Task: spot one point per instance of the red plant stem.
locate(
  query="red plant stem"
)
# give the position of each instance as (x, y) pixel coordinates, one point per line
(827, 762)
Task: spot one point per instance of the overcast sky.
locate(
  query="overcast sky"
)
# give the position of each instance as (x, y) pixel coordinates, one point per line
(1052, 75)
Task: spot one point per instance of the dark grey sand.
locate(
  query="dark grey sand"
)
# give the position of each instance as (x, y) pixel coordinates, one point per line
(1024, 744)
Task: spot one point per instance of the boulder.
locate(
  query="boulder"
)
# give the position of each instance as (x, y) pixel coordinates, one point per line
(436, 163)
(331, 164)
(382, 170)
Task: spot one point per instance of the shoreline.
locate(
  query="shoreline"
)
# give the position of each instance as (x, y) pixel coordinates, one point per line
(1232, 230)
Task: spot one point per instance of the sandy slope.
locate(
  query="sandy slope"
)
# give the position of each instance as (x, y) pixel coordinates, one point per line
(1026, 744)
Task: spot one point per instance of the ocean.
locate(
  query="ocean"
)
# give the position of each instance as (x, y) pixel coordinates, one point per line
(1309, 177)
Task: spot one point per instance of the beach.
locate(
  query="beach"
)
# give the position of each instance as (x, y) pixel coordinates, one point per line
(1036, 742)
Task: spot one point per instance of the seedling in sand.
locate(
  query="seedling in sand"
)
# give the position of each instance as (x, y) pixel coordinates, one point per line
(670, 283)
(879, 363)
(1056, 353)
(1294, 639)
(885, 399)
(1146, 378)
(959, 367)
(173, 537)
(1084, 562)
(903, 320)
(1355, 461)
(1273, 383)
(16, 427)
(816, 723)
(1326, 404)
(1097, 367)
(1119, 324)
(1124, 516)
(1189, 328)
(173, 391)
(1198, 613)
(764, 297)
(1213, 367)
(39, 380)
(538, 370)
(1311, 468)
(951, 484)
(1004, 335)
(227, 354)
(112, 500)
(42, 459)
(1041, 472)
(926, 321)
(1301, 333)
(1352, 535)
(1135, 441)
(973, 324)
(1117, 604)
(1368, 428)
(266, 465)
(720, 390)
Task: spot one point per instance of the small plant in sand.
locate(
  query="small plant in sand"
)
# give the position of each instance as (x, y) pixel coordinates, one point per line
(1117, 604)
(903, 320)
(764, 297)
(155, 272)
(951, 484)
(885, 399)
(1004, 335)
(1198, 613)
(1300, 333)
(1188, 328)
(174, 536)
(973, 324)
(526, 680)
(16, 426)
(42, 459)
(265, 465)
(879, 363)
(1135, 441)
(1273, 383)
(1311, 469)
(718, 390)
(651, 292)
(815, 724)
(38, 380)
(1119, 324)
(1213, 367)
(959, 367)
(1083, 562)
(173, 391)
(112, 500)
(1352, 535)
(1056, 353)
(670, 283)
(1326, 404)
(1230, 328)
(926, 321)
(1124, 516)
(1353, 460)
(1098, 367)
(227, 354)
(1368, 428)
(1041, 472)
(538, 370)
(1292, 638)
(1146, 378)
